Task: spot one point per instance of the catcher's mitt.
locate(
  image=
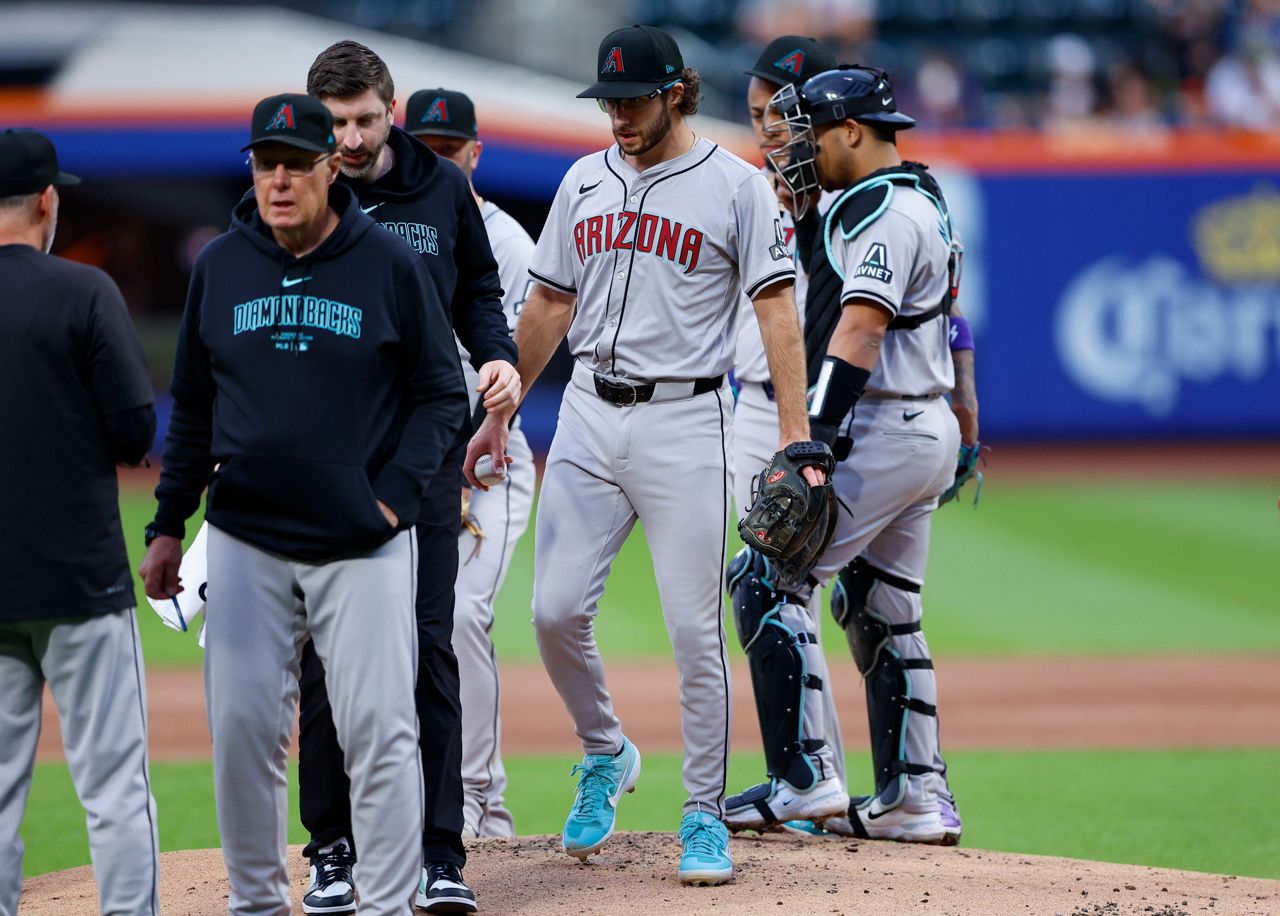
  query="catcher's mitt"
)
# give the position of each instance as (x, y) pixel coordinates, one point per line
(790, 520)
(966, 468)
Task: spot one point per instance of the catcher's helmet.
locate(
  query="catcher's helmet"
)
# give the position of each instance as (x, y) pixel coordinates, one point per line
(860, 93)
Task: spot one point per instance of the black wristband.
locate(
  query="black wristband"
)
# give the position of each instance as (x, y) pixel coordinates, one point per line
(840, 384)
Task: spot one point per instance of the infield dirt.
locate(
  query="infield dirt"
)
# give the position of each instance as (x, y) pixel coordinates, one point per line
(774, 874)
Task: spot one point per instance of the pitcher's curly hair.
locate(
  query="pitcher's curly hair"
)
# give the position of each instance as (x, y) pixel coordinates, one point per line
(692, 91)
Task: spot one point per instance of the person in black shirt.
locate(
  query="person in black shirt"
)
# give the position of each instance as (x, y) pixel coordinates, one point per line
(426, 201)
(316, 370)
(75, 402)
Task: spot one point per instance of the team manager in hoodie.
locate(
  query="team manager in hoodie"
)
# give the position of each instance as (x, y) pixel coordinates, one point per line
(309, 372)
(424, 201)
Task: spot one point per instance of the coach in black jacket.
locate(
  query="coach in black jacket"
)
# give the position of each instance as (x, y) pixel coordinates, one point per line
(315, 367)
(427, 201)
(75, 401)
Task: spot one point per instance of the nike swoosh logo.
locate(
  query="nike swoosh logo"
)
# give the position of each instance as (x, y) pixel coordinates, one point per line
(871, 814)
(287, 281)
(886, 100)
(613, 799)
(371, 209)
(583, 189)
(911, 416)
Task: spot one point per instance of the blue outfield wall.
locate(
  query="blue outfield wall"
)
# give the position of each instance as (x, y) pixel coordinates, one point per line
(1122, 306)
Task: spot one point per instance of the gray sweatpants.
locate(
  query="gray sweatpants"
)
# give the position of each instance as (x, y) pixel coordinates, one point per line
(666, 464)
(503, 515)
(359, 613)
(93, 666)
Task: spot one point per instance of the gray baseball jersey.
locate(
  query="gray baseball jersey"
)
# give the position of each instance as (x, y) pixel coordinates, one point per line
(511, 249)
(900, 262)
(502, 514)
(657, 259)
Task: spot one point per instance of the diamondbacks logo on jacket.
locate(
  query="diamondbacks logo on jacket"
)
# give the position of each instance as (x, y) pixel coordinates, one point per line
(647, 234)
(288, 314)
(792, 63)
(876, 264)
(282, 119)
(613, 64)
(436, 111)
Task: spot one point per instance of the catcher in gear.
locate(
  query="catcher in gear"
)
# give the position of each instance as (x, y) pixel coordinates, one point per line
(883, 274)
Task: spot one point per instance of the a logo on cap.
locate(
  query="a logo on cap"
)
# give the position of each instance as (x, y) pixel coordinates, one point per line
(436, 111)
(613, 64)
(282, 119)
(793, 63)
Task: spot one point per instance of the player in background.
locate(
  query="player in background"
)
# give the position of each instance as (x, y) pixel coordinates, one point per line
(882, 284)
(427, 201)
(788, 60)
(641, 261)
(493, 519)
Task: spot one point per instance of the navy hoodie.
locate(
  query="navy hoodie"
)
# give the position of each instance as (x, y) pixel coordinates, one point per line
(427, 201)
(318, 385)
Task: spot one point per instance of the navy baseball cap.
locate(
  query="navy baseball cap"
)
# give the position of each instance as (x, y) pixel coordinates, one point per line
(294, 120)
(793, 59)
(442, 113)
(855, 93)
(633, 62)
(29, 164)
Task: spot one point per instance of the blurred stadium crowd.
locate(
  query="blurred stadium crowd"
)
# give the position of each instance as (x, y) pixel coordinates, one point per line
(1144, 65)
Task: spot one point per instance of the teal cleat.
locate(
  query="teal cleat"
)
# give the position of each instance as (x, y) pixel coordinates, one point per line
(604, 779)
(705, 844)
(802, 828)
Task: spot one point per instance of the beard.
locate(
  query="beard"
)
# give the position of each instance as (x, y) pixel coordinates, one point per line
(649, 137)
(360, 173)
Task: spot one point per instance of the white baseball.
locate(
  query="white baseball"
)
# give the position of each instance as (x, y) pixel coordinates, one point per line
(486, 473)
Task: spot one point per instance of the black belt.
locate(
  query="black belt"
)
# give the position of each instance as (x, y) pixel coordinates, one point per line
(920, 397)
(624, 395)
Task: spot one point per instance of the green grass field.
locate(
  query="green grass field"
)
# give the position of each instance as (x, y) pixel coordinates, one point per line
(1039, 569)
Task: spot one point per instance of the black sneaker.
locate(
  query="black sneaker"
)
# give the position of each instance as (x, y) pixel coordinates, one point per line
(332, 889)
(442, 890)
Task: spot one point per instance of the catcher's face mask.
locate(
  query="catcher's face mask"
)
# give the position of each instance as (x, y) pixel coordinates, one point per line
(794, 161)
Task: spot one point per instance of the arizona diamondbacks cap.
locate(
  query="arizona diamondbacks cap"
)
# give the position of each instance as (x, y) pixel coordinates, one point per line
(633, 62)
(294, 120)
(793, 59)
(440, 112)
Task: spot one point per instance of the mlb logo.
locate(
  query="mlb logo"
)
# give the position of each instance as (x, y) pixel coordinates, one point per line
(613, 64)
(282, 119)
(438, 111)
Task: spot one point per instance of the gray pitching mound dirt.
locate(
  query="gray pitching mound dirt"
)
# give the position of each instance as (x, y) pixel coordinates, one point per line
(775, 874)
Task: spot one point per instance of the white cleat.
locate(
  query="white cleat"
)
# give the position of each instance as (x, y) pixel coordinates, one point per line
(766, 805)
(869, 820)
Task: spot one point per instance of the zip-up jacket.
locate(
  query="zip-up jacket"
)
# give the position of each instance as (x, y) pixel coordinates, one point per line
(427, 201)
(317, 385)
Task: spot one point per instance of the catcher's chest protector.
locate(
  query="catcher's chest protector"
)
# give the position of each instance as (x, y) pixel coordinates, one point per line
(851, 213)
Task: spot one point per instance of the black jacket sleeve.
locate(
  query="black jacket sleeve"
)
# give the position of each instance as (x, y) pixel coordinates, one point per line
(478, 318)
(437, 398)
(130, 433)
(118, 376)
(188, 462)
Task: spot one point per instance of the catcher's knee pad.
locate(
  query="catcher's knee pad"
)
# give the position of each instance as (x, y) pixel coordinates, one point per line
(880, 614)
(773, 632)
